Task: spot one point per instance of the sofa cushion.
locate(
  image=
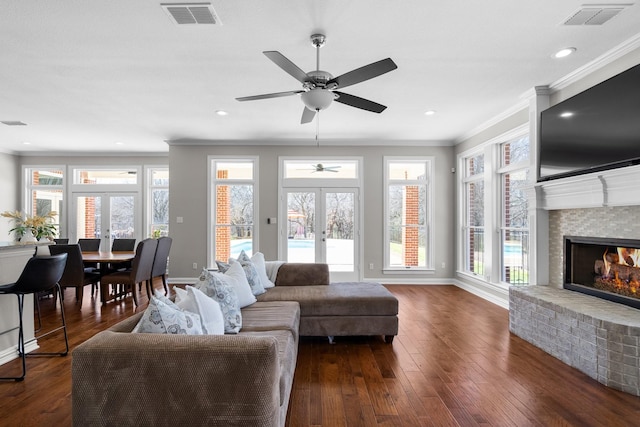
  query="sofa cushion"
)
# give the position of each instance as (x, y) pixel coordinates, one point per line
(299, 274)
(236, 277)
(162, 317)
(271, 316)
(337, 299)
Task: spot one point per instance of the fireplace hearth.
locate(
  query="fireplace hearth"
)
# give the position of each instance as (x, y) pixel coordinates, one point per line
(603, 267)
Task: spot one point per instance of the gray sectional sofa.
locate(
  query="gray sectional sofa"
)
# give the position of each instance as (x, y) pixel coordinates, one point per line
(121, 378)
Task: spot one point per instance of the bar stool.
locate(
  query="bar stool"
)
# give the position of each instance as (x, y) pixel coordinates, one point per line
(39, 274)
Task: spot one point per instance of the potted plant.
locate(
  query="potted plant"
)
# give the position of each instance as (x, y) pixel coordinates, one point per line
(37, 226)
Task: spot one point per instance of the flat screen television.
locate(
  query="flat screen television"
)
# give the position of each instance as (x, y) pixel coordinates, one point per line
(595, 130)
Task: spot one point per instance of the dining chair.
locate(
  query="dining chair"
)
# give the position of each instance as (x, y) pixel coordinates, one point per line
(89, 245)
(61, 241)
(40, 274)
(138, 274)
(121, 245)
(159, 268)
(75, 275)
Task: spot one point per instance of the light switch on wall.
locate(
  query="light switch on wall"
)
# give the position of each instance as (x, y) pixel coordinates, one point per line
(179, 220)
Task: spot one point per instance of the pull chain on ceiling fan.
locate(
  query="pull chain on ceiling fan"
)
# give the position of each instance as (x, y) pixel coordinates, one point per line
(319, 87)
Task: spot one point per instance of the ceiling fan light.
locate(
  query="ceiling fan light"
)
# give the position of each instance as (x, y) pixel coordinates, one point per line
(317, 99)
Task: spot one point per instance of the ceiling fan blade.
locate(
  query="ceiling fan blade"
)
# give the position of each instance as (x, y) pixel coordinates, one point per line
(281, 61)
(361, 74)
(356, 101)
(307, 116)
(269, 95)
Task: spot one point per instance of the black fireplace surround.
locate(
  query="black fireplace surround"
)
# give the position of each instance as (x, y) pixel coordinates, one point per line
(603, 267)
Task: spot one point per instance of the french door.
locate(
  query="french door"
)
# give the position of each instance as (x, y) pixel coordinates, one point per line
(105, 216)
(322, 226)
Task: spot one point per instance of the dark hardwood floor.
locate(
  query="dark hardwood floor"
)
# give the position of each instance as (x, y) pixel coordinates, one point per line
(454, 363)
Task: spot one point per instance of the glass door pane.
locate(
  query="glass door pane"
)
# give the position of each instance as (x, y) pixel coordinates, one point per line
(301, 216)
(340, 231)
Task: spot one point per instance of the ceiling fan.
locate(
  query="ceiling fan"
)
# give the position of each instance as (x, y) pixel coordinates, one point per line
(322, 168)
(319, 88)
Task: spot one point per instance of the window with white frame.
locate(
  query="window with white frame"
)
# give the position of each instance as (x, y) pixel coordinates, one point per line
(407, 213)
(45, 193)
(514, 238)
(474, 218)
(158, 202)
(233, 206)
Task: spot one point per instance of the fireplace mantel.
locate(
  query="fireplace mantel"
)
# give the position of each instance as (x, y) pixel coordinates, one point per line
(616, 187)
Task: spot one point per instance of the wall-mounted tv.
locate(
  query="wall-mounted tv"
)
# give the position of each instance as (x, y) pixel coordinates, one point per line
(595, 130)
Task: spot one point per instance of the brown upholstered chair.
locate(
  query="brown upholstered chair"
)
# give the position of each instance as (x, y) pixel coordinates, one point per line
(159, 268)
(139, 272)
(74, 275)
(121, 245)
(89, 245)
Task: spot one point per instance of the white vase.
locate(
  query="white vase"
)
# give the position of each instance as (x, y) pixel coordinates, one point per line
(43, 249)
(28, 237)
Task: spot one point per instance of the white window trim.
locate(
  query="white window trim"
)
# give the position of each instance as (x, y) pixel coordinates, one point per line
(211, 202)
(149, 187)
(492, 172)
(429, 182)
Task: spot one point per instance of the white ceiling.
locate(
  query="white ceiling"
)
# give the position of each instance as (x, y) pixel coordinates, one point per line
(85, 75)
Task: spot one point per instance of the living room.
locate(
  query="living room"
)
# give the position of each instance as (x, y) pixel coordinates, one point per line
(188, 154)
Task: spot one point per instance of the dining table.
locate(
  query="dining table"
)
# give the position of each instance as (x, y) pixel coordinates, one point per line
(104, 259)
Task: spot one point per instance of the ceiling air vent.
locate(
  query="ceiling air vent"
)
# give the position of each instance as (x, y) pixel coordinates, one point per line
(13, 123)
(594, 14)
(191, 13)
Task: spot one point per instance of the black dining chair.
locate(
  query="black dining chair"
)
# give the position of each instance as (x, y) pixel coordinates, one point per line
(89, 245)
(40, 274)
(122, 245)
(75, 275)
(159, 268)
(61, 241)
(139, 272)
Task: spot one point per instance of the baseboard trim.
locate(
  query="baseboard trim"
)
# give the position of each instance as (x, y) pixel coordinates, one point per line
(11, 353)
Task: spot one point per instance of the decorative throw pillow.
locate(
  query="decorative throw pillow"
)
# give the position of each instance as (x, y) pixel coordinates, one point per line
(225, 295)
(166, 318)
(261, 268)
(195, 301)
(236, 277)
(252, 274)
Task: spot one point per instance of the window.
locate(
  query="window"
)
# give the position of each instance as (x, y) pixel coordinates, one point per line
(233, 207)
(407, 211)
(99, 176)
(473, 227)
(44, 193)
(158, 202)
(514, 242)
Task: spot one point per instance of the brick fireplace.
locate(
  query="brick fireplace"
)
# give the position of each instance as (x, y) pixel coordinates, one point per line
(599, 337)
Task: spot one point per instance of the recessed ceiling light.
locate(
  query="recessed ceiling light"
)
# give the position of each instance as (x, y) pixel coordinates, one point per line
(26, 143)
(564, 52)
(566, 114)
(119, 143)
(429, 112)
(221, 112)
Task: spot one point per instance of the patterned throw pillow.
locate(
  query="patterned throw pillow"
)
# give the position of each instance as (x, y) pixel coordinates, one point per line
(236, 277)
(257, 287)
(225, 295)
(162, 317)
(195, 301)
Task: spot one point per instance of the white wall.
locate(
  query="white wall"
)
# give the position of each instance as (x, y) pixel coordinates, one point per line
(9, 196)
(188, 199)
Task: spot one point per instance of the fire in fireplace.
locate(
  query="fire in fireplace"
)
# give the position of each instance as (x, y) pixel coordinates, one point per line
(602, 267)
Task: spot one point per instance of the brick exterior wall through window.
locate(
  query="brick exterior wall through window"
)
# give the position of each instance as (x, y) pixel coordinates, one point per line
(410, 233)
(223, 216)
